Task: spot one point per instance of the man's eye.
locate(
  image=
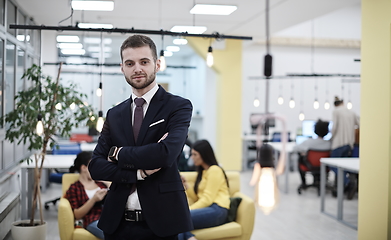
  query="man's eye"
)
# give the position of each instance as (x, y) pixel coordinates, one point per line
(129, 64)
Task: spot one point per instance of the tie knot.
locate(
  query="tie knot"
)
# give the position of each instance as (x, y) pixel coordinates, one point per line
(139, 101)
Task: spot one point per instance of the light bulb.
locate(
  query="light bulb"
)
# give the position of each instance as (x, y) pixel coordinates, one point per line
(349, 105)
(72, 106)
(256, 102)
(163, 64)
(99, 90)
(58, 106)
(280, 100)
(39, 127)
(316, 104)
(267, 193)
(209, 57)
(326, 105)
(301, 116)
(292, 103)
(100, 122)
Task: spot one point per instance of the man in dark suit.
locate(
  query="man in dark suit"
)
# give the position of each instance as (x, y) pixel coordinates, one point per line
(146, 199)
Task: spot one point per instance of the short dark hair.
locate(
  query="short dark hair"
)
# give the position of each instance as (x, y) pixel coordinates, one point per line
(137, 41)
(321, 128)
(337, 101)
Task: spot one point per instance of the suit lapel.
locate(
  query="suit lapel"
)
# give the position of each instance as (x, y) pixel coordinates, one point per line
(153, 108)
(126, 113)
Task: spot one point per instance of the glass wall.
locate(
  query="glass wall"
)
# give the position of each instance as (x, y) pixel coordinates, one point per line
(19, 49)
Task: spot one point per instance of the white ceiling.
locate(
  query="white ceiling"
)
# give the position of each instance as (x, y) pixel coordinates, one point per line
(247, 20)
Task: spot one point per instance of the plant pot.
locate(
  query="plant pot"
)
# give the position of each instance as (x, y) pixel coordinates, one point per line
(21, 230)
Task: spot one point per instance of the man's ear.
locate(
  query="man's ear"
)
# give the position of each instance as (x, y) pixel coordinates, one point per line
(157, 65)
(122, 67)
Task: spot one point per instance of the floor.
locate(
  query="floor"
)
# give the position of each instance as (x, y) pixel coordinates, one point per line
(296, 217)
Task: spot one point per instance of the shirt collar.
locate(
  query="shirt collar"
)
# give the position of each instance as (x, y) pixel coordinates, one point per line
(148, 95)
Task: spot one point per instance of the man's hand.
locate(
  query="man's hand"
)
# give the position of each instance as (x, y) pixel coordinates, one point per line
(147, 173)
(164, 137)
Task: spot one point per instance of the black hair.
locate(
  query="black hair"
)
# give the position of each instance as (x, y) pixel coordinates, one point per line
(205, 150)
(83, 158)
(321, 128)
(337, 101)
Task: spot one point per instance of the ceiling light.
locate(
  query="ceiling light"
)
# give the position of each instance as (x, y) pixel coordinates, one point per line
(66, 38)
(168, 54)
(91, 40)
(179, 41)
(209, 57)
(213, 9)
(93, 5)
(98, 55)
(95, 25)
(70, 45)
(97, 49)
(73, 51)
(173, 48)
(189, 29)
(21, 38)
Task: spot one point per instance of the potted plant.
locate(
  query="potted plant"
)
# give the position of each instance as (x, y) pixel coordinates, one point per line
(42, 111)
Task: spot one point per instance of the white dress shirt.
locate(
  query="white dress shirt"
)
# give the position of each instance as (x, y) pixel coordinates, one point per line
(133, 201)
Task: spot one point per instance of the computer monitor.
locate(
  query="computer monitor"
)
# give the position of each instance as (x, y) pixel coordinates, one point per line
(308, 129)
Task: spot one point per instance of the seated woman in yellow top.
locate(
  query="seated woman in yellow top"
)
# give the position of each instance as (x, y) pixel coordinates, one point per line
(210, 193)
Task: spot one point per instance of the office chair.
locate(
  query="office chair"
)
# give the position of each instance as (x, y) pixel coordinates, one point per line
(310, 163)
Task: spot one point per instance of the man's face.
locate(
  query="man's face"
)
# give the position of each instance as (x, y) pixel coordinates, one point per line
(139, 67)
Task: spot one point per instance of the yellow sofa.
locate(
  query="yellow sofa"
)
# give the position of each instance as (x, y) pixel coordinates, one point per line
(66, 220)
(242, 227)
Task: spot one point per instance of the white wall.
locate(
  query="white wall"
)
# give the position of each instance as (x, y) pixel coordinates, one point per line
(342, 24)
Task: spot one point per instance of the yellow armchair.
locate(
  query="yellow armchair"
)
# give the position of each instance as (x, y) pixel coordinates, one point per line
(66, 219)
(242, 227)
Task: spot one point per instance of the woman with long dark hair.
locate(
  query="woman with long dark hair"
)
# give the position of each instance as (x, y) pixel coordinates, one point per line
(210, 195)
(86, 195)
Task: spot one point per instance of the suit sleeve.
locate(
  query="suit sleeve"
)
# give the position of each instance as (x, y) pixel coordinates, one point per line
(160, 154)
(102, 169)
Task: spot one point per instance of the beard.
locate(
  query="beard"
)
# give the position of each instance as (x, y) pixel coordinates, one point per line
(141, 85)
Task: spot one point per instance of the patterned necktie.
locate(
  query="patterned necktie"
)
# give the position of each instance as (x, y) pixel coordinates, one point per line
(138, 116)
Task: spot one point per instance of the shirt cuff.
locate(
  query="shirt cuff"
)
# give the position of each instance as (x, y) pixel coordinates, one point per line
(139, 177)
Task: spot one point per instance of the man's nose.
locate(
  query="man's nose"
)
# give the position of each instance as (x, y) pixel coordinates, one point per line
(137, 68)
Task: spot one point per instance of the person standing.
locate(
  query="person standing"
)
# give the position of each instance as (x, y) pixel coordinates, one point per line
(210, 196)
(138, 150)
(345, 123)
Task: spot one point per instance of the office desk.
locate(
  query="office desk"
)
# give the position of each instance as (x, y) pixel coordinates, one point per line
(27, 178)
(278, 147)
(342, 164)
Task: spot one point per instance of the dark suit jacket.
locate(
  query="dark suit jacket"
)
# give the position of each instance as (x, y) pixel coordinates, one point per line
(162, 196)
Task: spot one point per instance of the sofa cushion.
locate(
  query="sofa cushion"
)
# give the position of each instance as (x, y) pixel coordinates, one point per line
(227, 230)
(233, 208)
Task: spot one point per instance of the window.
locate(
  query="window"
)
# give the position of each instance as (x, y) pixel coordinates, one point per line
(9, 91)
(21, 32)
(11, 17)
(1, 78)
(19, 86)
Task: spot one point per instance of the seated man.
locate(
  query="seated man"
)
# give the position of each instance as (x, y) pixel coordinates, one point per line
(321, 129)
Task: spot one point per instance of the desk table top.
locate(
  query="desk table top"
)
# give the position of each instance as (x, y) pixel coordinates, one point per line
(352, 164)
